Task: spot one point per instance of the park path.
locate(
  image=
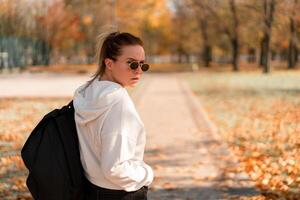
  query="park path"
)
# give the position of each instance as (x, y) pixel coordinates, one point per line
(183, 147)
(39, 85)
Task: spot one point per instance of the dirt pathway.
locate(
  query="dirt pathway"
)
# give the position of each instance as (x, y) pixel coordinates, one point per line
(40, 85)
(183, 146)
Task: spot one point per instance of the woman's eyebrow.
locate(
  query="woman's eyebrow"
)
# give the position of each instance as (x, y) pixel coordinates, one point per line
(135, 59)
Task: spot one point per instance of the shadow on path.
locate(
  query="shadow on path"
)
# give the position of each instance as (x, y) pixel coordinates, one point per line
(200, 193)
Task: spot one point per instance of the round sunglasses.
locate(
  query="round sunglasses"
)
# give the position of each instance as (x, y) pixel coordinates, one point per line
(135, 64)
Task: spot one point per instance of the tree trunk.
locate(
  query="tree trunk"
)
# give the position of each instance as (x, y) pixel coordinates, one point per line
(261, 53)
(266, 51)
(235, 55)
(206, 51)
(180, 54)
(296, 54)
(207, 55)
(269, 8)
(293, 40)
(252, 55)
(235, 37)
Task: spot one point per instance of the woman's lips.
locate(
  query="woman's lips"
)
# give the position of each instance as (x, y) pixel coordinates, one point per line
(135, 79)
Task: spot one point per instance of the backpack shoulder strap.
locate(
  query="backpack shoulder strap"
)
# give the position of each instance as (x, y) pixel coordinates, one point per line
(68, 134)
(67, 108)
(70, 104)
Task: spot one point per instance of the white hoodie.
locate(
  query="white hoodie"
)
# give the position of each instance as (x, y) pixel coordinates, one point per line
(111, 137)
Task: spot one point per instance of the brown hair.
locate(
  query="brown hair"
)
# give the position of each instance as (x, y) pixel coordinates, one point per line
(110, 47)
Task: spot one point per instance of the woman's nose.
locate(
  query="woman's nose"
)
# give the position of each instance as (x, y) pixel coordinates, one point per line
(138, 70)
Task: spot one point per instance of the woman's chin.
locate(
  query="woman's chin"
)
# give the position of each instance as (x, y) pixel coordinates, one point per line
(131, 85)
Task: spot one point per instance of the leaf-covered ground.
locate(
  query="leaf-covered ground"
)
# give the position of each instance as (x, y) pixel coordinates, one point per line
(18, 116)
(259, 116)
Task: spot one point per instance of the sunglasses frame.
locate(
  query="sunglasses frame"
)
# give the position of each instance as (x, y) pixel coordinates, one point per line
(144, 66)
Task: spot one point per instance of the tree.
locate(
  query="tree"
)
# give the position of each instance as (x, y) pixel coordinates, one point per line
(182, 37)
(268, 13)
(58, 29)
(202, 14)
(150, 19)
(93, 17)
(218, 12)
(293, 50)
(229, 10)
(235, 35)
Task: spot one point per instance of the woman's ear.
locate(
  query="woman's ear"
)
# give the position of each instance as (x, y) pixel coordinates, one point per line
(108, 63)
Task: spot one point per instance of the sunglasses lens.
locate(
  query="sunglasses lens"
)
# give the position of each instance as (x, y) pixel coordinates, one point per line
(134, 65)
(145, 67)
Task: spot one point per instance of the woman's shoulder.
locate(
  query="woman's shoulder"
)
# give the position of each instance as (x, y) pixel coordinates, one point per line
(108, 87)
(100, 93)
(110, 91)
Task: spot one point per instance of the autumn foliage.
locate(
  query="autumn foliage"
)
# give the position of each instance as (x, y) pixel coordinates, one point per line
(18, 116)
(259, 118)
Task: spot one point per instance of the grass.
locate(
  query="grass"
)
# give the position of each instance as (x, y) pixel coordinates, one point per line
(259, 116)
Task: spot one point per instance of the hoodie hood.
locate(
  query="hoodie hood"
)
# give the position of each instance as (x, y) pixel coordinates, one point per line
(96, 100)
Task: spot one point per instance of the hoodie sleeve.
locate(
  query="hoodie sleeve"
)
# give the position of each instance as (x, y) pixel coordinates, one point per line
(119, 138)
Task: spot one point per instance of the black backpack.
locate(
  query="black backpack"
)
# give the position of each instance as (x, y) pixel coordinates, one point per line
(51, 154)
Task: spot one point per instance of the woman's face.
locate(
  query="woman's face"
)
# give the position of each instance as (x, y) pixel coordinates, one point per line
(120, 69)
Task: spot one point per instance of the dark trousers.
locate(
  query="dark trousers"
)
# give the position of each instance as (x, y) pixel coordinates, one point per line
(94, 192)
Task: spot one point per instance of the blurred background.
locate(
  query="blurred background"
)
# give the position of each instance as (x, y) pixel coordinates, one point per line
(239, 57)
(260, 33)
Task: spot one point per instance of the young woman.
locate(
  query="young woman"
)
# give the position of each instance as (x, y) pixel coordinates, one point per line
(111, 134)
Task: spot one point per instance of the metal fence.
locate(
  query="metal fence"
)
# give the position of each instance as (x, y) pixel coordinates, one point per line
(21, 52)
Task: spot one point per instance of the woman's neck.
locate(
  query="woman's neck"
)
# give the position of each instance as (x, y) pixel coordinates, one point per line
(106, 77)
